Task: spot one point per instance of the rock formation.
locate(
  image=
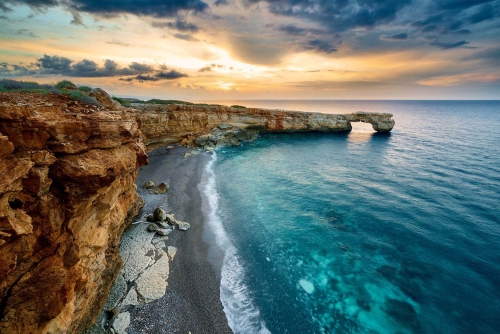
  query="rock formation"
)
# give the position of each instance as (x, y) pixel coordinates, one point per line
(163, 124)
(67, 191)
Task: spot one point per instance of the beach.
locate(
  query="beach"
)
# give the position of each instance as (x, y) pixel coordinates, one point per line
(191, 302)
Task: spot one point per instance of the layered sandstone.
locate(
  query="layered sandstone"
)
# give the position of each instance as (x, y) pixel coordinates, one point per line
(162, 124)
(67, 190)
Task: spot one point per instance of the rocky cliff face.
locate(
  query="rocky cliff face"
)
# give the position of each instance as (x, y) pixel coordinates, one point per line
(163, 124)
(67, 190)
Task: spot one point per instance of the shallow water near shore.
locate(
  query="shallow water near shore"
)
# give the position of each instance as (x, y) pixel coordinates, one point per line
(363, 232)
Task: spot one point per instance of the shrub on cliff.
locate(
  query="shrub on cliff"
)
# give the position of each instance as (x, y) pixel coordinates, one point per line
(81, 97)
(65, 84)
(10, 84)
(237, 106)
(85, 89)
(123, 102)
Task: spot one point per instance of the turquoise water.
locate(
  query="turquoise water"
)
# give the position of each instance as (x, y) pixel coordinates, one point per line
(363, 232)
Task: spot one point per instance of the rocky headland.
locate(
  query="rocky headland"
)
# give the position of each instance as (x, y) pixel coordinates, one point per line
(68, 191)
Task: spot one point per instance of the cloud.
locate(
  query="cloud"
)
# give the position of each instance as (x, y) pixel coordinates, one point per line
(77, 19)
(221, 2)
(154, 8)
(446, 46)
(396, 37)
(492, 54)
(320, 46)
(171, 75)
(485, 13)
(186, 37)
(55, 63)
(38, 5)
(293, 30)
(116, 42)
(205, 69)
(26, 32)
(460, 4)
(164, 75)
(177, 25)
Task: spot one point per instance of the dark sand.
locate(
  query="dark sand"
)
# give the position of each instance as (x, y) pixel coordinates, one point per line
(192, 300)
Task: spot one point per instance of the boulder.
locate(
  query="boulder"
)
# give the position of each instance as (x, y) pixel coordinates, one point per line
(152, 227)
(149, 185)
(105, 99)
(160, 189)
(150, 218)
(160, 214)
(163, 231)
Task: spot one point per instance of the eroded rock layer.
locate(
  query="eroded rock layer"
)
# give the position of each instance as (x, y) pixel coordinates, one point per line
(67, 191)
(163, 124)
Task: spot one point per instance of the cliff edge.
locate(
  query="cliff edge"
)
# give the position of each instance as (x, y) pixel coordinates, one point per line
(67, 191)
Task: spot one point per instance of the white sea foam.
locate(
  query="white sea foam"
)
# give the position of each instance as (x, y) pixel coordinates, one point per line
(242, 315)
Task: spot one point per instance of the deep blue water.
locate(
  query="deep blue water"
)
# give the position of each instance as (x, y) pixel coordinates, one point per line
(363, 232)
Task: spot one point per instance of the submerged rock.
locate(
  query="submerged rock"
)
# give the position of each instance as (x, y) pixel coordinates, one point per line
(160, 214)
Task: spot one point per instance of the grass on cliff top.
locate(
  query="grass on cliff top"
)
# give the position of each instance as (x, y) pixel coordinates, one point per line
(127, 101)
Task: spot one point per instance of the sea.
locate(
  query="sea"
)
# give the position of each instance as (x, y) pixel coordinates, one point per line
(362, 232)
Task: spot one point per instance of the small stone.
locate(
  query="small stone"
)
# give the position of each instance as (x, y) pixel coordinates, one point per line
(150, 218)
(149, 185)
(163, 231)
(183, 226)
(152, 227)
(171, 251)
(161, 188)
(160, 215)
(170, 147)
(163, 224)
(170, 218)
(121, 323)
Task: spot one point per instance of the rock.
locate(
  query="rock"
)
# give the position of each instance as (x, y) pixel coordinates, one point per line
(116, 293)
(170, 147)
(160, 214)
(163, 224)
(133, 250)
(152, 283)
(104, 99)
(160, 189)
(183, 226)
(149, 185)
(163, 231)
(171, 251)
(131, 298)
(67, 192)
(223, 126)
(150, 218)
(121, 323)
(152, 227)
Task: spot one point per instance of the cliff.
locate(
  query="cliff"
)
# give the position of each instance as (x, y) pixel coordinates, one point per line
(67, 191)
(162, 124)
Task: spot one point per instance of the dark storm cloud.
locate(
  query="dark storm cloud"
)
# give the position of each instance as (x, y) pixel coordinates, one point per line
(154, 8)
(340, 15)
(446, 46)
(293, 30)
(177, 25)
(485, 13)
(171, 75)
(320, 46)
(110, 8)
(397, 37)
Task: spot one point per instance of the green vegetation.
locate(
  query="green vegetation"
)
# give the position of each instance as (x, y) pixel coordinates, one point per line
(158, 101)
(55, 91)
(65, 84)
(123, 102)
(80, 97)
(7, 85)
(237, 106)
(85, 89)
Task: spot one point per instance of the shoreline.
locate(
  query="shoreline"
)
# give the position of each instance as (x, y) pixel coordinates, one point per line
(192, 299)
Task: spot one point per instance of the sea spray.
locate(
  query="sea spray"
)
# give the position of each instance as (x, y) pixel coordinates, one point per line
(242, 315)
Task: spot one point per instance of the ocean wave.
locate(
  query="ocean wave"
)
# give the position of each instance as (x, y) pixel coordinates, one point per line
(242, 315)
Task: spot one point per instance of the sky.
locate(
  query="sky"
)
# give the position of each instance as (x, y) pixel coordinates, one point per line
(252, 49)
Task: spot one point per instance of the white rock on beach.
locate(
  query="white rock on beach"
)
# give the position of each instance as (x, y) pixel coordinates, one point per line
(163, 231)
(133, 250)
(121, 323)
(171, 251)
(131, 298)
(151, 285)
